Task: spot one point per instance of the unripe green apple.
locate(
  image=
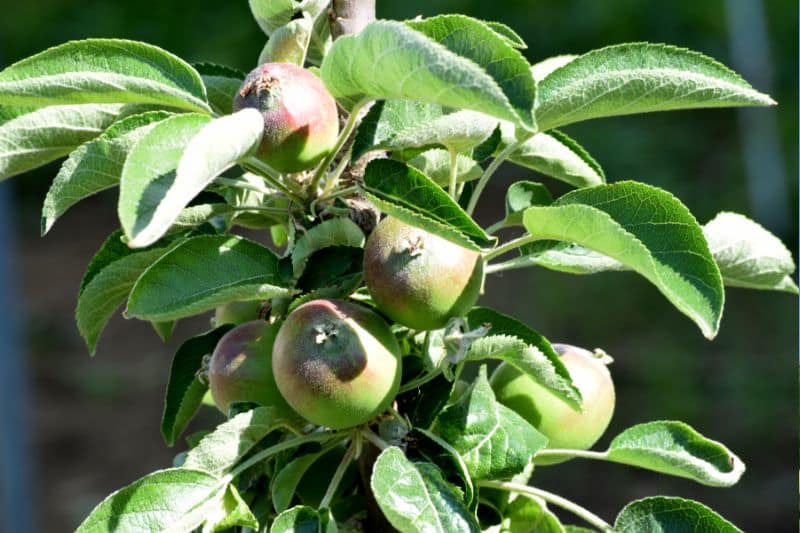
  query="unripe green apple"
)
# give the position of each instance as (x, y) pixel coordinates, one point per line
(419, 279)
(564, 427)
(237, 312)
(240, 369)
(337, 363)
(301, 124)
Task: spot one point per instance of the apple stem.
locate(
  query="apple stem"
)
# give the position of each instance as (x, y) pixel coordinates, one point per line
(374, 439)
(349, 455)
(252, 165)
(333, 180)
(489, 172)
(347, 191)
(420, 381)
(497, 226)
(453, 173)
(539, 494)
(508, 246)
(349, 126)
(567, 454)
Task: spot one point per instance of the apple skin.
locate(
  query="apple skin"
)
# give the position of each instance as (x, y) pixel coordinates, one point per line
(240, 369)
(564, 427)
(418, 279)
(237, 313)
(301, 123)
(337, 364)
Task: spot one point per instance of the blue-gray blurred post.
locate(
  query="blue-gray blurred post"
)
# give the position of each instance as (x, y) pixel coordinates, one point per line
(15, 467)
(758, 129)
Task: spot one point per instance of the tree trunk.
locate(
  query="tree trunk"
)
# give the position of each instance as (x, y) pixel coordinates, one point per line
(350, 16)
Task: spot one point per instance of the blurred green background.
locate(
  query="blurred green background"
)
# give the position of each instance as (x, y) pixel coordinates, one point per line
(95, 422)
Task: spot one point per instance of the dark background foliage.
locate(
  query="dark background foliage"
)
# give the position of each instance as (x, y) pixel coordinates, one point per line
(95, 422)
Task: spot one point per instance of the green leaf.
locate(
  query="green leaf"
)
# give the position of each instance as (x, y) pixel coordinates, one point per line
(638, 78)
(530, 515)
(476, 41)
(508, 34)
(556, 155)
(436, 165)
(332, 272)
(112, 249)
(748, 255)
(156, 502)
(567, 258)
(164, 330)
(489, 147)
(108, 287)
(526, 350)
(522, 195)
(227, 512)
(399, 125)
(494, 441)
(415, 497)
(422, 404)
(288, 44)
(334, 232)
(388, 118)
(272, 14)
(103, 71)
(405, 193)
(35, 137)
(544, 67)
(150, 168)
(221, 83)
(459, 131)
(202, 273)
(648, 230)
(184, 391)
(197, 215)
(676, 449)
(304, 519)
(95, 166)
(449, 60)
(435, 449)
(220, 450)
(662, 514)
(287, 479)
(174, 162)
(321, 39)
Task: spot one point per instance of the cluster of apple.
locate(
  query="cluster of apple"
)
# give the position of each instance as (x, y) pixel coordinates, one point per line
(338, 363)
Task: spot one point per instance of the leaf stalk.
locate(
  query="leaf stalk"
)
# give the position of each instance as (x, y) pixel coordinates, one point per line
(549, 497)
(349, 126)
(489, 172)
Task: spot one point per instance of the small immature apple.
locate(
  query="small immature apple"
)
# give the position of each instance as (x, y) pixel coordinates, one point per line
(240, 369)
(237, 312)
(564, 427)
(301, 124)
(418, 279)
(337, 363)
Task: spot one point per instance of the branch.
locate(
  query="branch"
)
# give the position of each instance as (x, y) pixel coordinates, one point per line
(350, 16)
